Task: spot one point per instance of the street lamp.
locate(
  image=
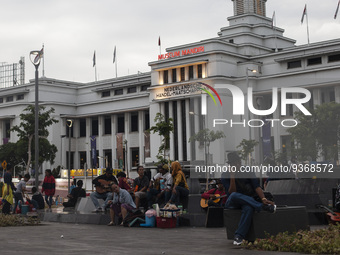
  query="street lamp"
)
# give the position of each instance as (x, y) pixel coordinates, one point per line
(35, 57)
(247, 78)
(69, 124)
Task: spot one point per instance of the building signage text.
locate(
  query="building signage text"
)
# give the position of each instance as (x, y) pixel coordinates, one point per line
(180, 53)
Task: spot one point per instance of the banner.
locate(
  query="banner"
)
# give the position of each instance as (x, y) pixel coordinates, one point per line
(147, 153)
(120, 152)
(93, 151)
(266, 140)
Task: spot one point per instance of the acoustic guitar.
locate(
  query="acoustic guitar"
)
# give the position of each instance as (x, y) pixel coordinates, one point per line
(105, 186)
(332, 216)
(204, 202)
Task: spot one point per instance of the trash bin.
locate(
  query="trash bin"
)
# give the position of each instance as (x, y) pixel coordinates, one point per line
(24, 209)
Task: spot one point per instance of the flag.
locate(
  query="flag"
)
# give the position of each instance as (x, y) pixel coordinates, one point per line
(337, 9)
(42, 52)
(39, 55)
(274, 18)
(304, 13)
(159, 41)
(114, 55)
(94, 58)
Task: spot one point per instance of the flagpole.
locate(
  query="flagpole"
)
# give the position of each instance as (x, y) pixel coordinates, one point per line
(307, 27)
(116, 66)
(43, 71)
(274, 25)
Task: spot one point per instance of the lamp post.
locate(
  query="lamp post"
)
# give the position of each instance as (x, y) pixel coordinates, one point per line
(69, 124)
(247, 78)
(35, 57)
(61, 150)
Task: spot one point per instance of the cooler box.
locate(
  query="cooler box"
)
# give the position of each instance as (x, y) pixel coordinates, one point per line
(163, 222)
(24, 209)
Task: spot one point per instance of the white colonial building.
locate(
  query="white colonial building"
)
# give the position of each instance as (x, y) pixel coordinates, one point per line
(249, 53)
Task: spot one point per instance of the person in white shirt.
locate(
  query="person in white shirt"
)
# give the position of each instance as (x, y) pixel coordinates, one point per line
(19, 193)
(160, 186)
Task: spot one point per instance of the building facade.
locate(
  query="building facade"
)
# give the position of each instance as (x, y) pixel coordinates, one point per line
(250, 53)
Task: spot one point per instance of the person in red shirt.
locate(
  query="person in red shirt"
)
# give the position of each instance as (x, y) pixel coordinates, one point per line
(48, 187)
(211, 194)
(123, 183)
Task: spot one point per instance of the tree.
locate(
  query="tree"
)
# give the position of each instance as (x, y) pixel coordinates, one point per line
(318, 134)
(247, 147)
(26, 132)
(163, 128)
(206, 136)
(10, 153)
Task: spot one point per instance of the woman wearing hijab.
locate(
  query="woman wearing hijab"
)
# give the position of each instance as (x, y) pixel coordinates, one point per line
(180, 188)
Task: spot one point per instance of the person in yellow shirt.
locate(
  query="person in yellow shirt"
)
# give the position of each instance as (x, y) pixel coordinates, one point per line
(180, 188)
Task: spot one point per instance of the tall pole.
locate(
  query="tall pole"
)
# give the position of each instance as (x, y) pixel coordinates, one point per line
(36, 129)
(69, 159)
(69, 124)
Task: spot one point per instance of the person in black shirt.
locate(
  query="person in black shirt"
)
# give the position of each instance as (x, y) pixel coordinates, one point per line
(141, 184)
(103, 190)
(241, 189)
(75, 194)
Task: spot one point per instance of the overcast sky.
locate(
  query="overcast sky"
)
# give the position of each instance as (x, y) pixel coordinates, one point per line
(72, 29)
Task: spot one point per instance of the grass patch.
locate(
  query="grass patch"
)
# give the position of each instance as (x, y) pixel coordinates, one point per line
(322, 241)
(17, 220)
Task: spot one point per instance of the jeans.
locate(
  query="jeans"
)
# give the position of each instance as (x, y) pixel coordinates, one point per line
(248, 205)
(48, 200)
(105, 196)
(180, 192)
(154, 192)
(17, 197)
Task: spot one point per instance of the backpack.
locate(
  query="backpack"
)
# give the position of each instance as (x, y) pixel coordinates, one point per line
(131, 216)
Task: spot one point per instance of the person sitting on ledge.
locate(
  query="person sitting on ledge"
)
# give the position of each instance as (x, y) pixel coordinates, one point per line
(121, 204)
(213, 194)
(242, 188)
(75, 194)
(180, 188)
(160, 186)
(103, 186)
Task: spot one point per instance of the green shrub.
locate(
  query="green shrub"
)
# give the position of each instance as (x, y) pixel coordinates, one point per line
(17, 220)
(322, 241)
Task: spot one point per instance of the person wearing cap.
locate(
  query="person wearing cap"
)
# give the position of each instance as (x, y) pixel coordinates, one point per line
(103, 186)
(210, 195)
(242, 188)
(160, 186)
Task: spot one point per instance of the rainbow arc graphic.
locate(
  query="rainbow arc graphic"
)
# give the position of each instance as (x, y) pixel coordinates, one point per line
(204, 99)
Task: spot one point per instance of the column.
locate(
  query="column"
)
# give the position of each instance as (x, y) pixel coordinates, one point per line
(141, 137)
(171, 114)
(114, 141)
(179, 129)
(187, 120)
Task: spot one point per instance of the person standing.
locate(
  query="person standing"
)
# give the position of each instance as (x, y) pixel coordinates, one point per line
(19, 193)
(48, 187)
(7, 193)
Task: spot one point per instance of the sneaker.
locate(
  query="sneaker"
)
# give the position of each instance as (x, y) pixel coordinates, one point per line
(269, 208)
(238, 240)
(111, 223)
(98, 210)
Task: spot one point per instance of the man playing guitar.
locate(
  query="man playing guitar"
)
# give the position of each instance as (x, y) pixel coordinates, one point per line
(209, 197)
(103, 191)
